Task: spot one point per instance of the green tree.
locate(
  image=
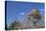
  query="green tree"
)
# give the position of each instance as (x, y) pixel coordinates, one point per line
(14, 25)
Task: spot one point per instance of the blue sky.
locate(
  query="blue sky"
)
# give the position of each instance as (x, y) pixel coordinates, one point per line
(19, 9)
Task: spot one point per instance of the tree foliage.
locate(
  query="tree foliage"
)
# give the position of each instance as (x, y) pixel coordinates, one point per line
(14, 25)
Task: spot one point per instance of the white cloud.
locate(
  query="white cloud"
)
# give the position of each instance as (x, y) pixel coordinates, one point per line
(22, 13)
(41, 10)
